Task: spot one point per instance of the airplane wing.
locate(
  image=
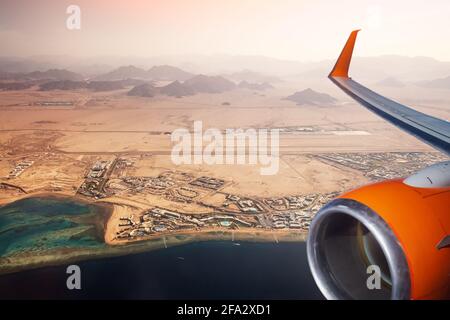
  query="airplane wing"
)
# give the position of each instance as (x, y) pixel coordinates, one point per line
(431, 130)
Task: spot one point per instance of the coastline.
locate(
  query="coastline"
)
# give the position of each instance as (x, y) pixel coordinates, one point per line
(61, 256)
(54, 195)
(67, 256)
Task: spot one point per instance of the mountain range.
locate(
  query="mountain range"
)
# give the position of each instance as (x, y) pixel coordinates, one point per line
(196, 84)
(388, 71)
(51, 74)
(236, 67)
(441, 83)
(164, 72)
(90, 85)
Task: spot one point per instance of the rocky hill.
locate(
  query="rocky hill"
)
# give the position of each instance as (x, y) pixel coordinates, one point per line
(121, 73)
(143, 90)
(177, 89)
(209, 84)
(311, 97)
(168, 73)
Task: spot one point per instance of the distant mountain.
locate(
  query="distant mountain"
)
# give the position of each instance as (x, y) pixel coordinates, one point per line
(251, 76)
(197, 84)
(390, 82)
(442, 83)
(90, 85)
(255, 86)
(169, 73)
(238, 67)
(10, 76)
(177, 89)
(51, 74)
(25, 65)
(205, 64)
(373, 69)
(105, 85)
(62, 85)
(251, 68)
(226, 65)
(209, 84)
(11, 86)
(54, 74)
(121, 73)
(133, 82)
(143, 90)
(163, 72)
(311, 97)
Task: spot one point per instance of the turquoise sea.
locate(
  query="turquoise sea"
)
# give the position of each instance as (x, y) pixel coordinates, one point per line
(45, 223)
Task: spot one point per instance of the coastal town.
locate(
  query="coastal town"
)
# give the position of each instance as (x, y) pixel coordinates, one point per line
(108, 179)
(161, 221)
(173, 201)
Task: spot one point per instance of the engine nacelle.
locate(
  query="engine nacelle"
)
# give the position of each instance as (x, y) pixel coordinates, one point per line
(401, 226)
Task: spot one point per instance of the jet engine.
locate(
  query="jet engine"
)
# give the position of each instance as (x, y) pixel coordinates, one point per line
(400, 226)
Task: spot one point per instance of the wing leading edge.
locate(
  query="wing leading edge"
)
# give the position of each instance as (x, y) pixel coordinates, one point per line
(434, 131)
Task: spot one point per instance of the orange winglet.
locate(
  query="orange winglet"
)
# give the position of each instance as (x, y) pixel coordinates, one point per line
(343, 63)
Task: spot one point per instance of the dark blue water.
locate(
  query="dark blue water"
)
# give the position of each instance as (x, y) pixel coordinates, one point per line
(206, 270)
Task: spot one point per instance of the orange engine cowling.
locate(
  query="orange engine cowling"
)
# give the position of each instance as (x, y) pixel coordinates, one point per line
(401, 228)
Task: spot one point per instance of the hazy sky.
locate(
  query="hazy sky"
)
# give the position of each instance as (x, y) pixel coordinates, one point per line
(287, 29)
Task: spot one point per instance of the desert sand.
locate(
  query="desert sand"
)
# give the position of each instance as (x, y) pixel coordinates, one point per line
(64, 142)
